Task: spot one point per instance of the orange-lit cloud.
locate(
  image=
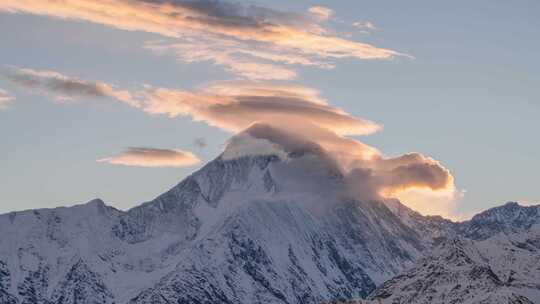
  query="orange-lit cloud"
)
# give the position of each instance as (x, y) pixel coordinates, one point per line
(321, 12)
(429, 202)
(152, 157)
(421, 182)
(5, 99)
(65, 88)
(234, 106)
(391, 176)
(224, 54)
(251, 36)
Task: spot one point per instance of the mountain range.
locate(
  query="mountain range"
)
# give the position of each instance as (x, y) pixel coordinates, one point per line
(262, 228)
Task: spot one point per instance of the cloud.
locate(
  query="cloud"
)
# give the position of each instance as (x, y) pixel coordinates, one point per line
(392, 176)
(528, 202)
(285, 120)
(229, 55)
(229, 105)
(440, 202)
(152, 157)
(321, 12)
(66, 88)
(5, 99)
(419, 181)
(364, 25)
(234, 106)
(244, 144)
(282, 119)
(249, 36)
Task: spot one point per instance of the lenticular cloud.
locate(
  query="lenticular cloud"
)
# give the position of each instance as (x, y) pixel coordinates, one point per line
(152, 157)
(234, 106)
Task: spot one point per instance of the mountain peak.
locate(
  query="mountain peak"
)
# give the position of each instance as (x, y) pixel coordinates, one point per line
(508, 218)
(511, 204)
(95, 202)
(264, 139)
(507, 212)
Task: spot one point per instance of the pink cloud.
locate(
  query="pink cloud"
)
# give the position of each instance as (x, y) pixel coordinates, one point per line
(244, 38)
(153, 157)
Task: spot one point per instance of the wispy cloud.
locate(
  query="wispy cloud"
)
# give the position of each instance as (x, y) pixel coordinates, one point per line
(64, 87)
(153, 157)
(233, 56)
(249, 37)
(365, 25)
(321, 12)
(5, 99)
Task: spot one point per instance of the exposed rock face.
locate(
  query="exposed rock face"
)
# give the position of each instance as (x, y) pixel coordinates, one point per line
(81, 286)
(254, 229)
(5, 284)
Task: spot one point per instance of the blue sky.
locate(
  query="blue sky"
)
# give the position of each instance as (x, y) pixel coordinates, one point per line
(469, 98)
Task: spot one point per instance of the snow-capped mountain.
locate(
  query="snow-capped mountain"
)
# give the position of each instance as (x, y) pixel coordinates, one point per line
(251, 229)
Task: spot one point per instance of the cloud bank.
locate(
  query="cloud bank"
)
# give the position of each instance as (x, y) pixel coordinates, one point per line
(153, 157)
(251, 41)
(5, 99)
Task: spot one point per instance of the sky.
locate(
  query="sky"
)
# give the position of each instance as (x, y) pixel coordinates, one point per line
(122, 99)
